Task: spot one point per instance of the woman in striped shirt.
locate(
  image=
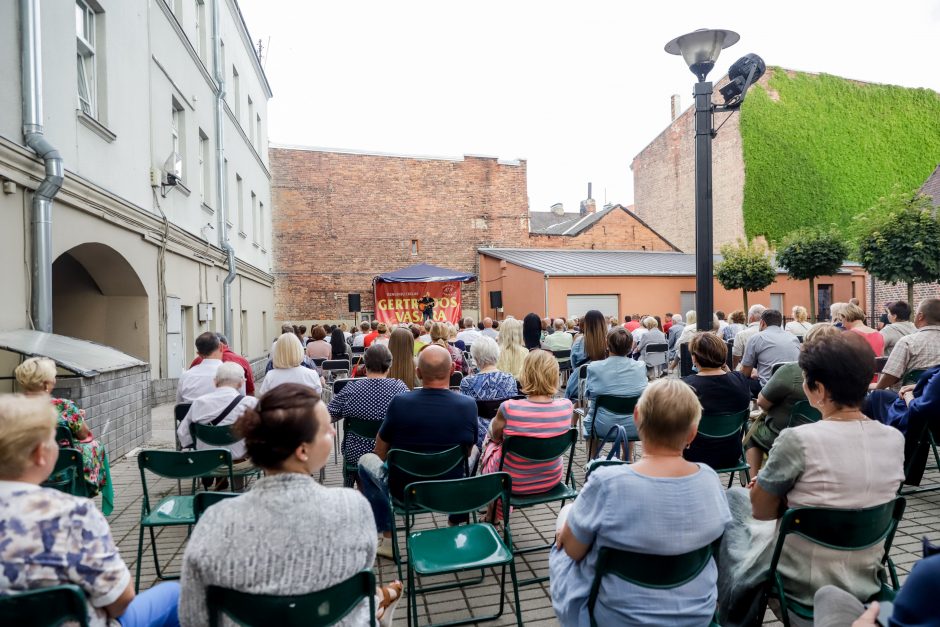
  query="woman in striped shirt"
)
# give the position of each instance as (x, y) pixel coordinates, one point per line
(539, 415)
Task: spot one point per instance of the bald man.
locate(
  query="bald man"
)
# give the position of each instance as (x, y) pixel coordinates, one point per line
(428, 419)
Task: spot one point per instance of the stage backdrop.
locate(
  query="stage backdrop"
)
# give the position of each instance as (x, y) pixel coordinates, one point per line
(398, 302)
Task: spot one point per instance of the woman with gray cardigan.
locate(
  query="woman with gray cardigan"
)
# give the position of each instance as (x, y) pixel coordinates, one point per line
(288, 535)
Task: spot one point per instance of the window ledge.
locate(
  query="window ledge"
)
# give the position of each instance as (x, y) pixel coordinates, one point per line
(228, 224)
(255, 244)
(94, 125)
(207, 209)
(243, 235)
(264, 250)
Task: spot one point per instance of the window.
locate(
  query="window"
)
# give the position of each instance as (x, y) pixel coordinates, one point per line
(686, 302)
(239, 201)
(85, 24)
(236, 94)
(178, 132)
(254, 219)
(414, 248)
(776, 301)
(201, 29)
(258, 143)
(203, 167)
(261, 237)
(251, 119)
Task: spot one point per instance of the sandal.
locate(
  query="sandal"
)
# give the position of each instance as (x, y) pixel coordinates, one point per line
(387, 598)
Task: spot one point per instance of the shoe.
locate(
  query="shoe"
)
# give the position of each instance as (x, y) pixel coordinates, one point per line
(385, 548)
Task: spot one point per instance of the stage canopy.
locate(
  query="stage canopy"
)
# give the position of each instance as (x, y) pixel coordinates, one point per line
(424, 273)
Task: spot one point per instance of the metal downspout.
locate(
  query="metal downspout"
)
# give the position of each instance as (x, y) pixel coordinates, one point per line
(220, 174)
(41, 214)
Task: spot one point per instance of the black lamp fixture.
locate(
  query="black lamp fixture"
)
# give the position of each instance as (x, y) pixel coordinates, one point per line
(700, 50)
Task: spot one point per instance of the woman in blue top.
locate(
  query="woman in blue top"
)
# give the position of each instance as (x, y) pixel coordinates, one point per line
(489, 384)
(618, 375)
(590, 346)
(660, 505)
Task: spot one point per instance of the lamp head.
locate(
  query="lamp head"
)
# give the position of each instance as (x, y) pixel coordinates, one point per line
(741, 75)
(701, 48)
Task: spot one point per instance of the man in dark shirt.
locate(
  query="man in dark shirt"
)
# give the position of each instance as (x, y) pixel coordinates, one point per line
(427, 306)
(427, 420)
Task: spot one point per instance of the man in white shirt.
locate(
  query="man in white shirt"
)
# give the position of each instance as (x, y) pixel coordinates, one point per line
(488, 329)
(200, 379)
(752, 329)
(469, 333)
(358, 338)
(225, 398)
(560, 340)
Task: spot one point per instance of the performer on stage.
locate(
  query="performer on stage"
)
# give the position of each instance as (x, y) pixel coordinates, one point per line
(426, 305)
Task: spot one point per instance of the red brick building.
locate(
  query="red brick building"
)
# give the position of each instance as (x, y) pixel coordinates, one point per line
(342, 217)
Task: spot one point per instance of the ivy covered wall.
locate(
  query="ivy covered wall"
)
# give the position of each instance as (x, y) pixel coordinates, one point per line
(818, 149)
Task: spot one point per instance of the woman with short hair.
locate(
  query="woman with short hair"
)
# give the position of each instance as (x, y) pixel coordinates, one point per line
(853, 319)
(402, 349)
(653, 335)
(798, 326)
(512, 350)
(489, 384)
(36, 376)
(262, 542)
(899, 324)
(675, 507)
(50, 538)
(318, 347)
(367, 398)
(843, 461)
(539, 415)
(738, 320)
(383, 337)
(287, 357)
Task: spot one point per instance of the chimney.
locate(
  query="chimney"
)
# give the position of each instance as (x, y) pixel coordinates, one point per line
(588, 205)
(675, 105)
(558, 209)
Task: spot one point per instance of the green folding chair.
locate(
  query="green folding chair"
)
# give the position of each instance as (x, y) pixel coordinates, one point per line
(803, 413)
(45, 607)
(405, 467)
(618, 405)
(69, 473)
(173, 510)
(367, 429)
(536, 451)
(594, 464)
(840, 529)
(179, 413)
(911, 378)
(726, 426)
(314, 609)
(659, 572)
(220, 437)
(64, 437)
(452, 550)
(204, 500)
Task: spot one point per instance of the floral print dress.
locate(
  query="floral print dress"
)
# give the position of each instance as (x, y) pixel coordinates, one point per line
(93, 453)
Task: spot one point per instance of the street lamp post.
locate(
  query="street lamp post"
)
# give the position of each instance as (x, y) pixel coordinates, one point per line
(700, 50)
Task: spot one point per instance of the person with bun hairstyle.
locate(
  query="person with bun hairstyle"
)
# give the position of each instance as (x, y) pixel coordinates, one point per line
(288, 535)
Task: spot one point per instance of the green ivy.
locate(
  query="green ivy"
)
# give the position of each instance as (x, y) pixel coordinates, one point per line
(828, 148)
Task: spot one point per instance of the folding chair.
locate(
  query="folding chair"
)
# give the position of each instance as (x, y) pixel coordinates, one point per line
(488, 409)
(368, 429)
(50, 606)
(405, 467)
(540, 451)
(314, 609)
(730, 360)
(204, 500)
(463, 548)
(173, 510)
(63, 435)
(918, 442)
(455, 379)
(618, 405)
(334, 366)
(803, 413)
(179, 413)
(880, 363)
(777, 366)
(221, 436)
(685, 360)
(840, 529)
(69, 473)
(716, 427)
(564, 365)
(912, 377)
(646, 570)
(655, 357)
(593, 464)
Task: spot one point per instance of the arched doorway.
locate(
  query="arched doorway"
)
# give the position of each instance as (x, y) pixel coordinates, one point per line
(97, 296)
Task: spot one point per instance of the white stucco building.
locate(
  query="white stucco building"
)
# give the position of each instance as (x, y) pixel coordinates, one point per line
(136, 265)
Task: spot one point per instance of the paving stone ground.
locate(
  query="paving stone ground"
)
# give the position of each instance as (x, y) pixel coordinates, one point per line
(530, 527)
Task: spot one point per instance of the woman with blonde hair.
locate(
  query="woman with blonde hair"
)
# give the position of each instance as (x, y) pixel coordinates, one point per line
(383, 337)
(439, 334)
(798, 326)
(512, 352)
(37, 377)
(402, 347)
(287, 359)
(676, 507)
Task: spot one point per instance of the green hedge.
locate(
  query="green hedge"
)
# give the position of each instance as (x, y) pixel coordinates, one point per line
(830, 147)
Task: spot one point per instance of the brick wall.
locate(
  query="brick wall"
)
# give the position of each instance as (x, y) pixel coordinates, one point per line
(885, 292)
(664, 180)
(342, 218)
(618, 230)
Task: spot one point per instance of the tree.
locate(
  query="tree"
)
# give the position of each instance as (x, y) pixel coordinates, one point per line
(745, 266)
(899, 240)
(810, 253)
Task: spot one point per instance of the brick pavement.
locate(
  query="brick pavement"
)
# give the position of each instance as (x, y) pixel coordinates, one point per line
(529, 527)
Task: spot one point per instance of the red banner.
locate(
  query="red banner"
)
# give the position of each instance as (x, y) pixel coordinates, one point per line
(398, 302)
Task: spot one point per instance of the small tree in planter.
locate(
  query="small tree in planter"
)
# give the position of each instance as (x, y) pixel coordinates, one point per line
(809, 253)
(746, 267)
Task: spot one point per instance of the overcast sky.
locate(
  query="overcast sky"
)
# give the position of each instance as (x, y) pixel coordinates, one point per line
(577, 88)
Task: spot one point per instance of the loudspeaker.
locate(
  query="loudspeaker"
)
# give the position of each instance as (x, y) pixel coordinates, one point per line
(354, 303)
(496, 299)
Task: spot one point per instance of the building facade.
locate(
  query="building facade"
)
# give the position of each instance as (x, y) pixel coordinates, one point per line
(129, 101)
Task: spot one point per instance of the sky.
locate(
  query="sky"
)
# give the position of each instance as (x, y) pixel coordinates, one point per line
(576, 88)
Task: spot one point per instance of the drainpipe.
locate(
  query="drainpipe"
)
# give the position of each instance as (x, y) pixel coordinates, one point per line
(220, 174)
(41, 214)
(546, 295)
